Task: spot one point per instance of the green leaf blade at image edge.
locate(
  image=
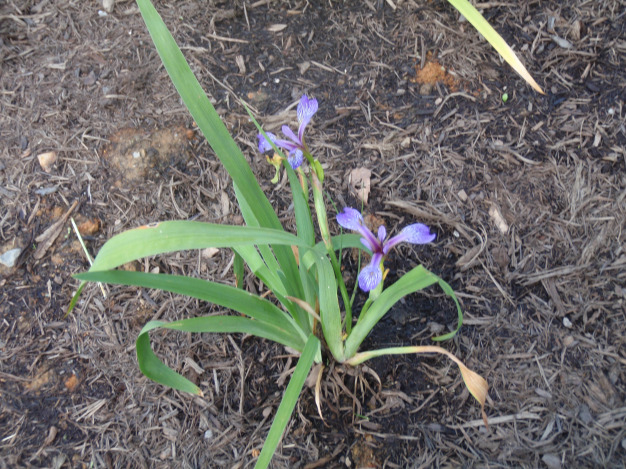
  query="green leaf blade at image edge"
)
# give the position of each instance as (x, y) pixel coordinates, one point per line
(288, 403)
(491, 35)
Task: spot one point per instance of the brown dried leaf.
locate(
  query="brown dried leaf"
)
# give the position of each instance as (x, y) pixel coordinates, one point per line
(47, 238)
(498, 219)
(359, 181)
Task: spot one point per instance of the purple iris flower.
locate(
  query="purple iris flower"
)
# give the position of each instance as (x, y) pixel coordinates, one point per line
(295, 145)
(371, 275)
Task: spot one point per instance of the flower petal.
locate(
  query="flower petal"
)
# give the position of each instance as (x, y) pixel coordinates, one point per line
(382, 233)
(264, 145)
(295, 158)
(373, 247)
(306, 109)
(416, 233)
(291, 136)
(371, 275)
(350, 219)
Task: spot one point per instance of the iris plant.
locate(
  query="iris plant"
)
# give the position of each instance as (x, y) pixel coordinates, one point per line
(295, 146)
(302, 273)
(372, 274)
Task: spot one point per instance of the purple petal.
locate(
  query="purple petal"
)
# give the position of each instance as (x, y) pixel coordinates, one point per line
(350, 219)
(382, 233)
(295, 158)
(371, 275)
(290, 135)
(306, 109)
(264, 145)
(373, 247)
(415, 234)
(418, 233)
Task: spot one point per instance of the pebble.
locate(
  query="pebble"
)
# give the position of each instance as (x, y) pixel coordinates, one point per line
(8, 258)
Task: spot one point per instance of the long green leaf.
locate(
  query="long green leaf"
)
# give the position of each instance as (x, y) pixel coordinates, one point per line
(151, 366)
(247, 189)
(483, 27)
(414, 280)
(290, 398)
(170, 236)
(206, 117)
(329, 305)
(212, 292)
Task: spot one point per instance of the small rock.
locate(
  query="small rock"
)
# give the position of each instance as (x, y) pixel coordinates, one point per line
(89, 226)
(552, 461)
(435, 328)
(8, 258)
(46, 160)
(567, 323)
(564, 43)
(90, 79)
(108, 5)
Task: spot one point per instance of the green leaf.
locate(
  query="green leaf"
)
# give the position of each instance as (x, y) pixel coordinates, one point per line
(247, 188)
(329, 305)
(152, 367)
(288, 403)
(483, 27)
(206, 117)
(447, 289)
(170, 236)
(75, 298)
(414, 280)
(222, 295)
(238, 270)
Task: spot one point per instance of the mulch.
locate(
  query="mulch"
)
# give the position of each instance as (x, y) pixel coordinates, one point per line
(527, 197)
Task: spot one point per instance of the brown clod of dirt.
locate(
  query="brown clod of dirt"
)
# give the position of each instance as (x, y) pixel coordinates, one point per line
(433, 72)
(136, 153)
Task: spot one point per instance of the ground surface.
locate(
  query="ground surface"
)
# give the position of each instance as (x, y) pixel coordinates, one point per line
(528, 199)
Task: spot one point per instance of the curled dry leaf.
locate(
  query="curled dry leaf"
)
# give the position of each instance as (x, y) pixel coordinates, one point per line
(47, 160)
(209, 253)
(359, 181)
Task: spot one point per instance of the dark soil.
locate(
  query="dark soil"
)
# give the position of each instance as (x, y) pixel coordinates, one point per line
(527, 197)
